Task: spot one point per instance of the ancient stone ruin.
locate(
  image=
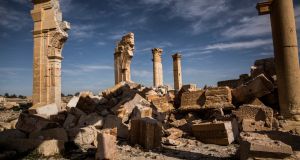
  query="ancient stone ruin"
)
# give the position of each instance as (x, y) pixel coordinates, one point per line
(255, 116)
(122, 57)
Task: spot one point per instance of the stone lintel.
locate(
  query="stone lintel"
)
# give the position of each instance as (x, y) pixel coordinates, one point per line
(263, 8)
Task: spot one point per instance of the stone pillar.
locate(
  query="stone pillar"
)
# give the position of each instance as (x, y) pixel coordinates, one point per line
(157, 67)
(286, 55)
(49, 36)
(123, 55)
(177, 71)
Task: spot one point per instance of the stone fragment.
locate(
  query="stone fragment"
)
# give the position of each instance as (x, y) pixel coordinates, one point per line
(189, 88)
(55, 133)
(73, 102)
(250, 125)
(70, 121)
(86, 103)
(112, 122)
(5, 126)
(192, 100)
(173, 133)
(162, 104)
(171, 142)
(11, 134)
(255, 88)
(83, 136)
(218, 97)
(92, 119)
(234, 83)
(45, 111)
(10, 105)
(221, 133)
(263, 66)
(259, 146)
(141, 112)
(146, 132)
(51, 147)
(20, 145)
(106, 146)
(255, 113)
(30, 123)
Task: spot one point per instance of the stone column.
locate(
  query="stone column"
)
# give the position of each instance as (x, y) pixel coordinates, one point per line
(177, 71)
(286, 55)
(49, 36)
(157, 67)
(123, 55)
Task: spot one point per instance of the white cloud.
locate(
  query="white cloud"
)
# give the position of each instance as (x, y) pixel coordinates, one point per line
(12, 19)
(142, 73)
(80, 69)
(84, 31)
(239, 45)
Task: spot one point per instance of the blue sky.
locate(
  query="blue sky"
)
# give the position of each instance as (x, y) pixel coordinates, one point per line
(218, 39)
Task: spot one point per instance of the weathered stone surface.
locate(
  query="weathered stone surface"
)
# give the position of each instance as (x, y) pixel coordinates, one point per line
(147, 132)
(9, 105)
(250, 125)
(162, 104)
(173, 133)
(73, 102)
(189, 88)
(49, 36)
(55, 133)
(157, 67)
(30, 123)
(125, 108)
(19, 144)
(264, 66)
(255, 145)
(112, 122)
(234, 83)
(5, 126)
(11, 134)
(221, 133)
(45, 111)
(92, 119)
(83, 136)
(255, 113)
(192, 100)
(141, 112)
(51, 147)
(177, 71)
(70, 121)
(255, 88)
(86, 102)
(218, 97)
(106, 146)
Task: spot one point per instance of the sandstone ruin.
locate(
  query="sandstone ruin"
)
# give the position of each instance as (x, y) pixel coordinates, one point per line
(252, 117)
(157, 67)
(49, 36)
(122, 58)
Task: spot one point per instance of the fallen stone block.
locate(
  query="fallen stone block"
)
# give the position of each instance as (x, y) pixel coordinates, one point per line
(255, 113)
(107, 146)
(255, 88)
(11, 134)
(125, 108)
(112, 122)
(162, 104)
(5, 126)
(86, 103)
(46, 111)
(20, 145)
(92, 119)
(70, 121)
(30, 123)
(263, 66)
(171, 142)
(55, 133)
(191, 101)
(218, 97)
(83, 136)
(259, 146)
(173, 133)
(73, 102)
(51, 147)
(141, 112)
(146, 132)
(189, 88)
(220, 133)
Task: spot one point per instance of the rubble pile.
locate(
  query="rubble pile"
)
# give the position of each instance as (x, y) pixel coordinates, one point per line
(154, 119)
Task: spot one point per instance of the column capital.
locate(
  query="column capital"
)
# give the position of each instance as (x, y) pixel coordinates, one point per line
(176, 56)
(264, 7)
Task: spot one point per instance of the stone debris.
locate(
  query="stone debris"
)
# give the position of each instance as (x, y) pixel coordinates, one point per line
(218, 97)
(45, 111)
(192, 100)
(107, 146)
(48, 134)
(221, 133)
(259, 146)
(73, 102)
(51, 147)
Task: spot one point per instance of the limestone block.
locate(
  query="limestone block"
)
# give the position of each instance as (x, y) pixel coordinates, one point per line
(189, 88)
(192, 100)
(86, 103)
(73, 102)
(218, 97)
(51, 147)
(55, 133)
(256, 113)
(29, 123)
(92, 119)
(70, 121)
(45, 111)
(83, 136)
(106, 146)
(141, 112)
(162, 104)
(221, 133)
(111, 122)
(19, 144)
(255, 88)
(173, 133)
(263, 66)
(250, 125)
(11, 134)
(147, 132)
(255, 146)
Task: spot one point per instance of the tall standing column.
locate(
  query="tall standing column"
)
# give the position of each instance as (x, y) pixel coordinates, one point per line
(286, 55)
(177, 71)
(157, 67)
(49, 36)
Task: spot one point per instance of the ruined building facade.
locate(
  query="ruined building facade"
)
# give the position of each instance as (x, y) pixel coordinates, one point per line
(122, 58)
(157, 67)
(49, 36)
